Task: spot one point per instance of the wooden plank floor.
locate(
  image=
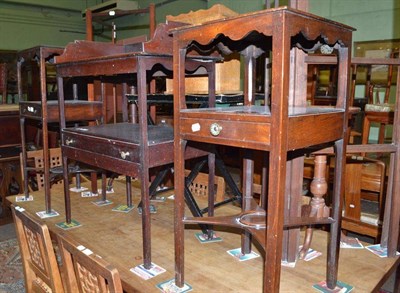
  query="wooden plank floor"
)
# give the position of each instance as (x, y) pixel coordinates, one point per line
(208, 268)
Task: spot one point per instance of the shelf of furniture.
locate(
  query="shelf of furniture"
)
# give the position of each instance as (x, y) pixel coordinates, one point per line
(125, 148)
(35, 105)
(102, 18)
(276, 127)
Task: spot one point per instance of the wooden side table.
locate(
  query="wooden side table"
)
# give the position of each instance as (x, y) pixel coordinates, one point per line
(131, 149)
(275, 127)
(34, 105)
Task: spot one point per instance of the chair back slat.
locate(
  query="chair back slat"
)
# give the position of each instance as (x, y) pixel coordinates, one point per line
(37, 252)
(85, 271)
(35, 158)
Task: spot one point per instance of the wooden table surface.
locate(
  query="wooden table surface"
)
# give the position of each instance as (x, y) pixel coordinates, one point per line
(6, 108)
(116, 237)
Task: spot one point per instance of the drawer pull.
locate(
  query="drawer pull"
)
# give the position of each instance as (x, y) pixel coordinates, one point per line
(69, 141)
(31, 109)
(124, 155)
(215, 129)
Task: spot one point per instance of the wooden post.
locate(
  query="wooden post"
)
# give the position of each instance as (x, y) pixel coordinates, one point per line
(89, 26)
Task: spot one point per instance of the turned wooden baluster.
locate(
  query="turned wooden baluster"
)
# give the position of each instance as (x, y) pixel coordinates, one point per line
(317, 207)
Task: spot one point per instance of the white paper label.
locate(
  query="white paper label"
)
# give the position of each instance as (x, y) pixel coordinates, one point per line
(195, 127)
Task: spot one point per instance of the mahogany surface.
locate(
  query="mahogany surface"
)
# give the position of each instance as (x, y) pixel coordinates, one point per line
(279, 131)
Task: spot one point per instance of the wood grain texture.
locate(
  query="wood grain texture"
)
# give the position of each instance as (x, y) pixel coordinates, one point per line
(116, 237)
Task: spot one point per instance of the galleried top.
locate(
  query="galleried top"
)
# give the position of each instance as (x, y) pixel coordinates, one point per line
(161, 44)
(306, 31)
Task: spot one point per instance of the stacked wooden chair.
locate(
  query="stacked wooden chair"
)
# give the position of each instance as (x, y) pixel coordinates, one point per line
(85, 271)
(79, 271)
(41, 269)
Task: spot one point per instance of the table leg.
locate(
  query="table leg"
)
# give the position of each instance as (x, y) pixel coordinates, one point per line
(248, 174)
(335, 228)
(128, 191)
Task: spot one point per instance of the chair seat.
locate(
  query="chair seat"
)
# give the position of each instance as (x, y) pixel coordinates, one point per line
(379, 107)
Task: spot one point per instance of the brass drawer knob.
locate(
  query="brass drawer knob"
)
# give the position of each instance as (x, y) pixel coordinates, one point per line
(31, 109)
(124, 154)
(69, 141)
(215, 129)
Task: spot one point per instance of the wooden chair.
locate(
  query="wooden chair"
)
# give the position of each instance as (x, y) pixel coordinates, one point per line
(34, 77)
(3, 82)
(378, 110)
(85, 271)
(36, 157)
(365, 177)
(38, 258)
(199, 186)
(35, 162)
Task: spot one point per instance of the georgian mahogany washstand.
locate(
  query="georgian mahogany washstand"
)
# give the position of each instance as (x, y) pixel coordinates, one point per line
(124, 148)
(277, 128)
(34, 104)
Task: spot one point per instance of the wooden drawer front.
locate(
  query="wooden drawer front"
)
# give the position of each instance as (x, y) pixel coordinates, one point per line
(86, 111)
(103, 162)
(31, 110)
(234, 133)
(107, 147)
(304, 131)
(371, 177)
(161, 154)
(76, 111)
